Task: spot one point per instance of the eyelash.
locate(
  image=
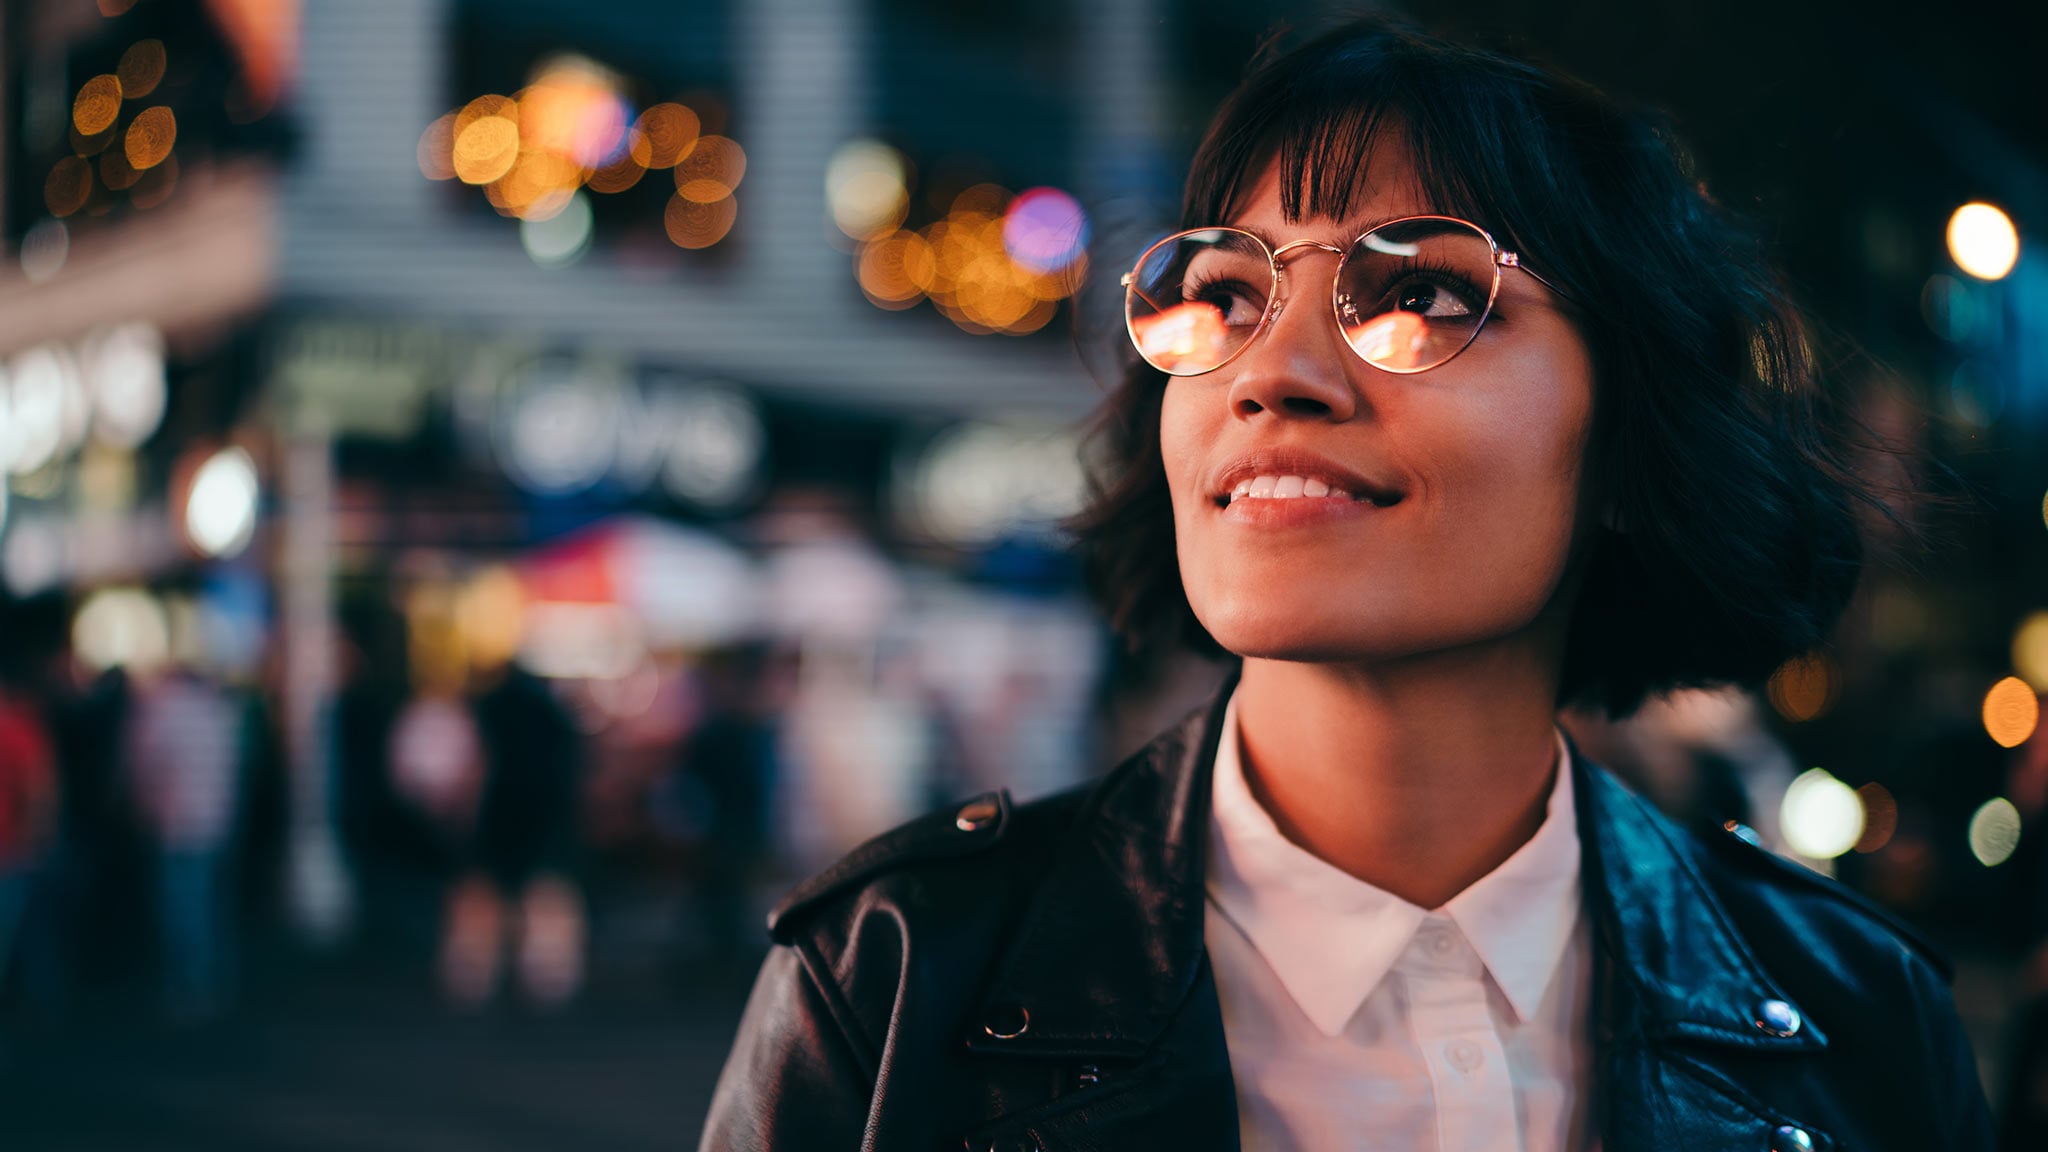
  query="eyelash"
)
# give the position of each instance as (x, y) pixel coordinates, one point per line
(1439, 274)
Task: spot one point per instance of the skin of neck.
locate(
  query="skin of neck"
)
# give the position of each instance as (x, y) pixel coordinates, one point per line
(1418, 775)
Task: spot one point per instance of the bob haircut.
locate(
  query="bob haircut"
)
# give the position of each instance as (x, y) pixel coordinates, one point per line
(1737, 540)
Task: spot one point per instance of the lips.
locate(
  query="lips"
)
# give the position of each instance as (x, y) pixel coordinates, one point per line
(1296, 475)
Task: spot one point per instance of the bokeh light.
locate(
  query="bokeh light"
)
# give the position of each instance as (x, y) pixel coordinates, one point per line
(1822, 817)
(437, 149)
(1983, 241)
(220, 510)
(621, 173)
(150, 137)
(2030, 650)
(574, 110)
(1045, 230)
(665, 133)
(121, 628)
(867, 188)
(124, 374)
(697, 224)
(97, 104)
(115, 171)
(1994, 831)
(1802, 688)
(43, 408)
(485, 149)
(711, 171)
(896, 269)
(1880, 816)
(44, 248)
(141, 68)
(2011, 710)
(69, 186)
(561, 238)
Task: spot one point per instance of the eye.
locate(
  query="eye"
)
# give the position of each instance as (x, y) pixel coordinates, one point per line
(1433, 293)
(1238, 303)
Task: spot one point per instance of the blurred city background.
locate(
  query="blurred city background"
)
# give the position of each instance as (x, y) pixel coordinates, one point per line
(493, 491)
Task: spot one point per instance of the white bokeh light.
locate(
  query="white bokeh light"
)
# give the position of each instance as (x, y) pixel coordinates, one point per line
(124, 372)
(1983, 241)
(1822, 817)
(121, 627)
(1994, 832)
(561, 238)
(220, 513)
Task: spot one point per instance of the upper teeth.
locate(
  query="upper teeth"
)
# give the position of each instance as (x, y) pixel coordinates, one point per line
(1285, 487)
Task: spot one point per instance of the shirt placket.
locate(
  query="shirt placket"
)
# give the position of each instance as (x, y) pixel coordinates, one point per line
(1460, 1046)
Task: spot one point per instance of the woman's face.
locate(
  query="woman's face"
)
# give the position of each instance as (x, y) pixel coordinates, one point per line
(1463, 484)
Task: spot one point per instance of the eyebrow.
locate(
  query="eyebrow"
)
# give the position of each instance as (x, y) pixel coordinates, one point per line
(1362, 227)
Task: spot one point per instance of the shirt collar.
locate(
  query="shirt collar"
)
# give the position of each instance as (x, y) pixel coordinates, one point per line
(1331, 938)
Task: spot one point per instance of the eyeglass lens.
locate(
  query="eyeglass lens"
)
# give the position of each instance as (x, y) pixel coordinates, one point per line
(1410, 295)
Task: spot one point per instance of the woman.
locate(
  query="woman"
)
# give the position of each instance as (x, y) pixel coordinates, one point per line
(1552, 436)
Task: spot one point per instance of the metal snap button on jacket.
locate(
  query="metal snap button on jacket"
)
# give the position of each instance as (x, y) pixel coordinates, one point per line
(1007, 1022)
(1790, 1139)
(1777, 1018)
(977, 816)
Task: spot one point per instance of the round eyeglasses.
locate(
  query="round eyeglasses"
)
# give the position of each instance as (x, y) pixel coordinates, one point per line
(1408, 295)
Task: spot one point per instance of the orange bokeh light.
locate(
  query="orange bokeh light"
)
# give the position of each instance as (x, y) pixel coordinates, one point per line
(486, 149)
(98, 103)
(115, 171)
(150, 137)
(691, 224)
(69, 186)
(717, 161)
(141, 68)
(2011, 711)
(666, 134)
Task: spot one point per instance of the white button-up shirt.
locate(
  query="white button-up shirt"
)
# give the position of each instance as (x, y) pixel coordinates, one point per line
(1356, 1020)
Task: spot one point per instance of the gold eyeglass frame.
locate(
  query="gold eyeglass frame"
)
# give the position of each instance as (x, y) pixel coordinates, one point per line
(1338, 302)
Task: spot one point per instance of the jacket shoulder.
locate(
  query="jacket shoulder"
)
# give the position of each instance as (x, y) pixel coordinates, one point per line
(990, 824)
(1808, 893)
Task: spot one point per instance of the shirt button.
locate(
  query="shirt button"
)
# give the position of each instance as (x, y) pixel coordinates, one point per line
(1464, 1055)
(1440, 945)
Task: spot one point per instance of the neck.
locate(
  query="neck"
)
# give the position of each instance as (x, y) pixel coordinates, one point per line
(1417, 777)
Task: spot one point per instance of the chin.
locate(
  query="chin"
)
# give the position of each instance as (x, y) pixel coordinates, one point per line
(1270, 629)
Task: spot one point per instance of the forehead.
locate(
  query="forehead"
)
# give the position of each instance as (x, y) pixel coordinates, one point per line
(1390, 186)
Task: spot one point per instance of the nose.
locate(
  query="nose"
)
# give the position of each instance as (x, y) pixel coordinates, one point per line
(1298, 367)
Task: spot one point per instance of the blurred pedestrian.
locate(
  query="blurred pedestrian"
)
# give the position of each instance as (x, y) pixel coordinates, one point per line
(521, 888)
(185, 744)
(728, 765)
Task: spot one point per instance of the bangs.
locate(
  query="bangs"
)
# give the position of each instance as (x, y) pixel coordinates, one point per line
(1323, 119)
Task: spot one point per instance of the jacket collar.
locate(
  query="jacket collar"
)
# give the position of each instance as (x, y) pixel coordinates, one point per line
(1111, 944)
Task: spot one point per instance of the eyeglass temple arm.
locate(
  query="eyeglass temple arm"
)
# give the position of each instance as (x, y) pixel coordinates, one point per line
(1140, 295)
(1513, 260)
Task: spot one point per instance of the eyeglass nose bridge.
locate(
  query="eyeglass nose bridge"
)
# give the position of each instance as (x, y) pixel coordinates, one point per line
(1280, 276)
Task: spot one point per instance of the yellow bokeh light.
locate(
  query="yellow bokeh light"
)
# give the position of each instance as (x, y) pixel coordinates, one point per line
(150, 138)
(2011, 710)
(1982, 241)
(691, 224)
(437, 149)
(156, 184)
(867, 189)
(2030, 651)
(665, 133)
(715, 160)
(486, 149)
(1802, 689)
(115, 171)
(98, 103)
(503, 107)
(69, 186)
(141, 68)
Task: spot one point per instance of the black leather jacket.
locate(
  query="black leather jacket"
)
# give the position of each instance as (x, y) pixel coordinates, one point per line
(1035, 978)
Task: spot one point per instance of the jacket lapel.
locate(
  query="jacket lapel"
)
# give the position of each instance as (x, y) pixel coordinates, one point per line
(1677, 992)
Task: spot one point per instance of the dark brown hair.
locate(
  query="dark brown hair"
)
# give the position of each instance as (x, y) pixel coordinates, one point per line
(1721, 454)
